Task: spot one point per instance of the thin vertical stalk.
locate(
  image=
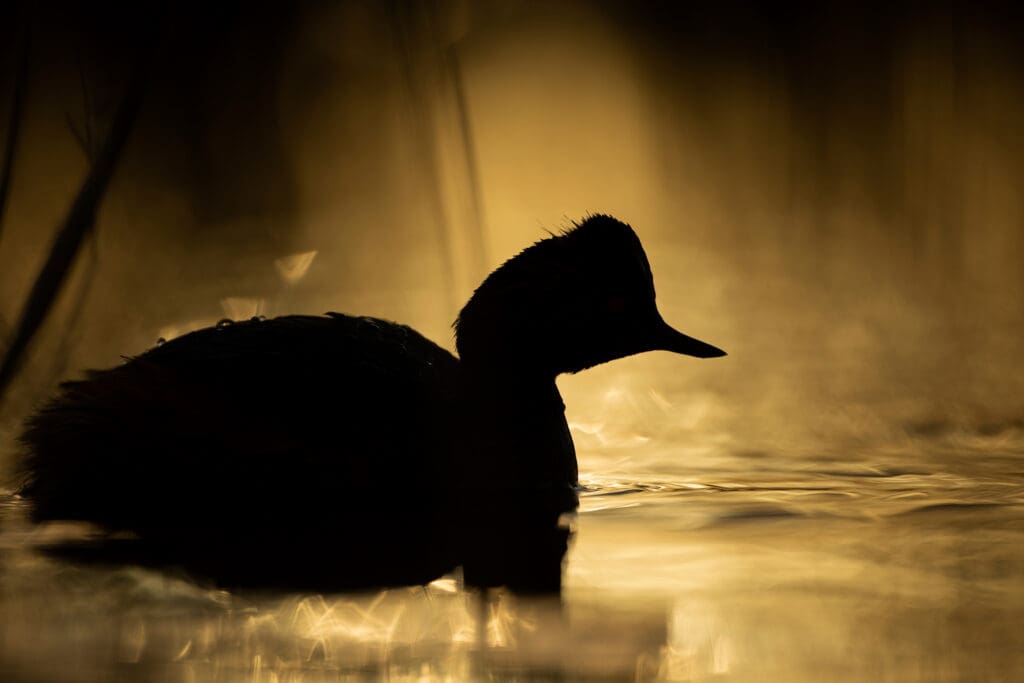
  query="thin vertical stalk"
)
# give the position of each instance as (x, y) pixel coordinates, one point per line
(77, 225)
(14, 120)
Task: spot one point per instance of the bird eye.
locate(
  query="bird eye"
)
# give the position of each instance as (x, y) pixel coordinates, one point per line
(616, 304)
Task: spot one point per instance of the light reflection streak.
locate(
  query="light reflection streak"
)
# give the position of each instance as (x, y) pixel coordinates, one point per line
(169, 332)
(243, 308)
(294, 267)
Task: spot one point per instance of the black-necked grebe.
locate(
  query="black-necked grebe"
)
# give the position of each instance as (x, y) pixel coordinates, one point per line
(342, 453)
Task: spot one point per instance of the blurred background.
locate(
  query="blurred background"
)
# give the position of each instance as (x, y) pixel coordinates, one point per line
(828, 191)
(831, 194)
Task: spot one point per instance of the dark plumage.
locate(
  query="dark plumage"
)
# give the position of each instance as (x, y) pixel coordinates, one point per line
(339, 453)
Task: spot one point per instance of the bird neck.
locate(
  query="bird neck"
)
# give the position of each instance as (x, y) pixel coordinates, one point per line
(512, 385)
(520, 436)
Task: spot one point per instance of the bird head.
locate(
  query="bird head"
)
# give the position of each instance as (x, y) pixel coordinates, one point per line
(567, 303)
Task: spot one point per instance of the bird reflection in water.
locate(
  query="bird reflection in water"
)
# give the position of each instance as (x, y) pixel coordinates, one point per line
(338, 453)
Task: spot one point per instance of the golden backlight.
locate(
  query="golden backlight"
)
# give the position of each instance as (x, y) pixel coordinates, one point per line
(835, 200)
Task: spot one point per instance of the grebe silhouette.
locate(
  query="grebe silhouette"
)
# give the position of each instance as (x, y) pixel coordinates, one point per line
(334, 453)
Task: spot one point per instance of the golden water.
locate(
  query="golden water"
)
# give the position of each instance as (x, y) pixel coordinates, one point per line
(725, 567)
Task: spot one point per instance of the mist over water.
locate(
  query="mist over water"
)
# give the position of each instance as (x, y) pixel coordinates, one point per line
(829, 194)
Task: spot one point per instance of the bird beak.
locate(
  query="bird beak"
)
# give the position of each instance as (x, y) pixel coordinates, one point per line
(670, 339)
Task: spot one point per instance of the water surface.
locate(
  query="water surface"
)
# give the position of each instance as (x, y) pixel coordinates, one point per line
(737, 566)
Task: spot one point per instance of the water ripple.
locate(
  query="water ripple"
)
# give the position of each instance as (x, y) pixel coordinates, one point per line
(871, 494)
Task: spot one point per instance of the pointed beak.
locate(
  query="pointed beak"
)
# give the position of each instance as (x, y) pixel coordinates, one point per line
(670, 339)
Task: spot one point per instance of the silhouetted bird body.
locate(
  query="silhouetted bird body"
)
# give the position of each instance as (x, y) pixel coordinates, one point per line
(339, 453)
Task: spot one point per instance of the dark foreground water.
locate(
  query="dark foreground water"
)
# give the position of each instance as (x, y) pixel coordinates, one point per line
(739, 566)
